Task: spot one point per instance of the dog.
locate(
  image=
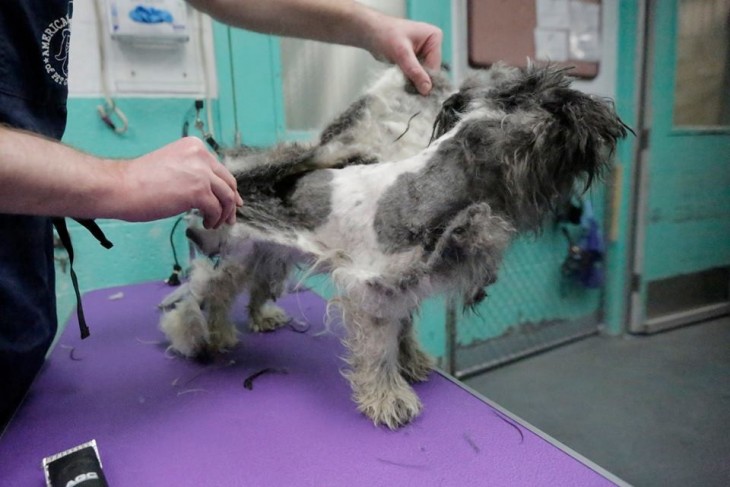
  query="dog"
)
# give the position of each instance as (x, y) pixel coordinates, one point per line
(403, 197)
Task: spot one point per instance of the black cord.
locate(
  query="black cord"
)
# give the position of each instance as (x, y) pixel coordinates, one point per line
(172, 242)
(174, 279)
(186, 121)
(193, 113)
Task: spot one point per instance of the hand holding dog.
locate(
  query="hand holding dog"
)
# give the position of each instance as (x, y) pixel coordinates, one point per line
(408, 44)
(39, 176)
(176, 178)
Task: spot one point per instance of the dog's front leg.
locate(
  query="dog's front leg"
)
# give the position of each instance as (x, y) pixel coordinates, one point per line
(379, 389)
(414, 363)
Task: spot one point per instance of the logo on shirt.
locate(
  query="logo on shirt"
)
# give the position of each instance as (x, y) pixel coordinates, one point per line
(55, 43)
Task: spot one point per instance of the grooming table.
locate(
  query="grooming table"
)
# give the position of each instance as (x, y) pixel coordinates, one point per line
(161, 420)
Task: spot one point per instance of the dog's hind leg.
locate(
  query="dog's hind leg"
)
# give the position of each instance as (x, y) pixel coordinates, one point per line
(379, 389)
(414, 363)
(185, 327)
(225, 285)
(199, 324)
(270, 265)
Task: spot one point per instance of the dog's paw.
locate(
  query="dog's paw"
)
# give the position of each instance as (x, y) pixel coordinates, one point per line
(186, 328)
(268, 318)
(223, 336)
(392, 407)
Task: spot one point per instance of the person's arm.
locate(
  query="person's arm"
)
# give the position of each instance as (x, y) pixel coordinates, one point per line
(403, 42)
(39, 176)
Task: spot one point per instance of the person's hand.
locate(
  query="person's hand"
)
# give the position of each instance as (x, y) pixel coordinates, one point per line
(176, 178)
(409, 44)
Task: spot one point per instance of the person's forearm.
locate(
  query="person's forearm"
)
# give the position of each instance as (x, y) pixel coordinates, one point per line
(43, 177)
(409, 44)
(336, 21)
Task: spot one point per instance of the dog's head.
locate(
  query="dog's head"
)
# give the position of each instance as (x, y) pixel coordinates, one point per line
(532, 131)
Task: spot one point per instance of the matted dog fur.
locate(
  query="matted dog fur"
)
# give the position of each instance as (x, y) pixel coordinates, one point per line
(402, 198)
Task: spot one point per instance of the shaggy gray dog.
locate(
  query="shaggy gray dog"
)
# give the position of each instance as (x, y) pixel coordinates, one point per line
(395, 219)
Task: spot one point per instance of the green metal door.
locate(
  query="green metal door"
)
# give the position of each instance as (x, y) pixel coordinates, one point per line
(682, 245)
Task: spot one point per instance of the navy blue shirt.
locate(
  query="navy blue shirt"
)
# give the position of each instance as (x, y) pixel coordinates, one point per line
(34, 47)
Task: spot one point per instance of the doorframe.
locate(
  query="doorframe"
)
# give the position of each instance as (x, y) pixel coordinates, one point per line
(644, 52)
(636, 286)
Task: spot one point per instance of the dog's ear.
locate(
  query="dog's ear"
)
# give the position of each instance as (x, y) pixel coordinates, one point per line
(451, 111)
(586, 128)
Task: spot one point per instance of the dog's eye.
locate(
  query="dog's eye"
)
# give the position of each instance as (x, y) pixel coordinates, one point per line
(459, 230)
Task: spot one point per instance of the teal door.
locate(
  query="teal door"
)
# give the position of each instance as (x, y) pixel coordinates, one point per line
(682, 245)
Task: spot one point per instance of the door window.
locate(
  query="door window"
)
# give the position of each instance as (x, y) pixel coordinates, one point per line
(702, 88)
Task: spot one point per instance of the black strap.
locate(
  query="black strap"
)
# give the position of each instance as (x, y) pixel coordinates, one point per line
(92, 227)
(213, 144)
(62, 230)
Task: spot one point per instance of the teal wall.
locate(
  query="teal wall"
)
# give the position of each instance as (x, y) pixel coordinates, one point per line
(249, 84)
(436, 12)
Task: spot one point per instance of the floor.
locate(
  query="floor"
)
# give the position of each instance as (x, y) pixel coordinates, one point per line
(653, 410)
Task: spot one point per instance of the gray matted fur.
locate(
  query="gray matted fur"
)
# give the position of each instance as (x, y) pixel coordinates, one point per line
(394, 219)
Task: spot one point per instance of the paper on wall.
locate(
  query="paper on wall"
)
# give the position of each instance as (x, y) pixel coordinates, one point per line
(568, 30)
(551, 44)
(585, 31)
(553, 14)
